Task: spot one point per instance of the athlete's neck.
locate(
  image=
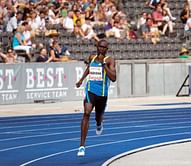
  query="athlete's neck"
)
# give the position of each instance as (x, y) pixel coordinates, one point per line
(100, 57)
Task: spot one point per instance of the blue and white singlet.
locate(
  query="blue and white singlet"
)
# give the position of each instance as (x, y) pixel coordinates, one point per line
(98, 81)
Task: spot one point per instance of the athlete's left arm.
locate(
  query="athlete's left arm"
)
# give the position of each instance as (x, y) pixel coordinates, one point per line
(110, 69)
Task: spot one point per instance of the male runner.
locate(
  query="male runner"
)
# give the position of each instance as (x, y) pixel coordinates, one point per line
(101, 69)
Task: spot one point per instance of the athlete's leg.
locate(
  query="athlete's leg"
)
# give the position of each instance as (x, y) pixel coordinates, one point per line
(84, 127)
(100, 105)
(85, 122)
(88, 107)
(99, 112)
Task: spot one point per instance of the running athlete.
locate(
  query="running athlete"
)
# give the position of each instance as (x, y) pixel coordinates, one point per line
(101, 69)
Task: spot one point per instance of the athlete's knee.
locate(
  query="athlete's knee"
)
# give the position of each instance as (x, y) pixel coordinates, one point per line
(86, 114)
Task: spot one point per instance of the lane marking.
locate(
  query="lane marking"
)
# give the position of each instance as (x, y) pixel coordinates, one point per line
(74, 131)
(107, 114)
(102, 144)
(113, 159)
(48, 121)
(77, 138)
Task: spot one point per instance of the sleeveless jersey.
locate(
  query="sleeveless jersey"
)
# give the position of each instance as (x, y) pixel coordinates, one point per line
(98, 81)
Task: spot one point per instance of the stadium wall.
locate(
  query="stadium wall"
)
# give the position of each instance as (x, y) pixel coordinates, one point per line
(40, 82)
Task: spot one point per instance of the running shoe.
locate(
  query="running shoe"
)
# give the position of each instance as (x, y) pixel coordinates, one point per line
(81, 151)
(99, 129)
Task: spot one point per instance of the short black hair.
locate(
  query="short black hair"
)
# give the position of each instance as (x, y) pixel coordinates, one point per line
(102, 41)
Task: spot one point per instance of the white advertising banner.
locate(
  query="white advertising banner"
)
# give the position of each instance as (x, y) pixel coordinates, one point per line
(35, 82)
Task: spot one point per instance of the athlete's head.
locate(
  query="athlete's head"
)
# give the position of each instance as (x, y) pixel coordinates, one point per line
(102, 47)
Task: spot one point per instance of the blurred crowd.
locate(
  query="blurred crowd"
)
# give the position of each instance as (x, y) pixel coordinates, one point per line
(27, 19)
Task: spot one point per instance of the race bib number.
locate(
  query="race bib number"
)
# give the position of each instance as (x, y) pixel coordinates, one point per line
(95, 74)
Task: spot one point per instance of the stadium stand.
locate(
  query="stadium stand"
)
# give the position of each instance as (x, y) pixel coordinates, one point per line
(167, 47)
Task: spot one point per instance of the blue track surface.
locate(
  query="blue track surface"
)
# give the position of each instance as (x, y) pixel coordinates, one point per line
(54, 139)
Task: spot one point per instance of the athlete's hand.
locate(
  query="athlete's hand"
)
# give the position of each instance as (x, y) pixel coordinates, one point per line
(79, 83)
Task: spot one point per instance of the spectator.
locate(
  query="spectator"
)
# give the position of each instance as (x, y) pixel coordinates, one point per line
(43, 56)
(55, 53)
(100, 17)
(78, 16)
(68, 22)
(152, 3)
(116, 27)
(106, 4)
(164, 6)
(126, 28)
(119, 4)
(189, 3)
(6, 18)
(41, 22)
(85, 4)
(90, 12)
(153, 30)
(53, 18)
(28, 36)
(88, 31)
(187, 27)
(157, 14)
(53, 34)
(26, 7)
(114, 31)
(184, 53)
(185, 13)
(142, 24)
(78, 31)
(111, 12)
(145, 29)
(33, 21)
(14, 22)
(77, 7)
(64, 10)
(9, 57)
(3, 14)
(19, 42)
(168, 24)
(63, 50)
(3, 9)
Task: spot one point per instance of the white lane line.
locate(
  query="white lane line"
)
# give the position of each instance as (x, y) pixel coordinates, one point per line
(40, 121)
(113, 134)
(136, 121)
(36, 125)
(115, 117)
(41, 129)
(111, 160)
(42, 117)
(102, 144)
(35, 136)
(112, 128)
(68, 117)
(56, 128)
(53, 134)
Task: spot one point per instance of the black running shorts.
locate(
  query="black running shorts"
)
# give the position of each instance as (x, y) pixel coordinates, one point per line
(99, 102)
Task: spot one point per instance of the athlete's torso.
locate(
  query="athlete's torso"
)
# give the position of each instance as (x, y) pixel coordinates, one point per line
(98, 81)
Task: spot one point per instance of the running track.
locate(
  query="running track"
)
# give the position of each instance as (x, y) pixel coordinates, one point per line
(53, 140)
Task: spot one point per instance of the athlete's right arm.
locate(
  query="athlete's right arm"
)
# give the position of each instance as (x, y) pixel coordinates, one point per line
(86, 72)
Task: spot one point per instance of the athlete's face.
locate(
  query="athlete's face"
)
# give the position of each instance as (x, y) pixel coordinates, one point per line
(102, 48)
